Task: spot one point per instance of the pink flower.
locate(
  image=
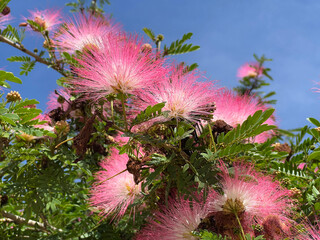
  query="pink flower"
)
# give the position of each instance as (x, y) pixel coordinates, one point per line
(114, 191)
(120, 67)
(311, 232)
(45, 126)
(47, 19)
(250, 70)
(301, 166)
(83, 32)
(4, 20)
(178, 221)
(234, 110)
(53, 99)
(184, 95)
(250, 195)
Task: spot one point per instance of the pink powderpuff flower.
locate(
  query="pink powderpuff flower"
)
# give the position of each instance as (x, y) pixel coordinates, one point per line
(250, 195)
(250, 70)
(53, 103)
(120, 67)
(184, 95)
(115, 188)
(83, 32)
(235, 109)
(47, 19)
(311, 232)
(4, 20)
(177, 221)
(45, 126)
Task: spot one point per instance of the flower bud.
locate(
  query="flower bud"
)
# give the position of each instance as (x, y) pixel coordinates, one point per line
(40, 22)
(23, 24)
(295, 192)
(62, 127)
(61, 99)
(13, 96)
(146, 47)
(160, 37)
(6, 11)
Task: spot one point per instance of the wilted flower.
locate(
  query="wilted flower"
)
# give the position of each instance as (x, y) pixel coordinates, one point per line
(235, 109)
(83, 32)
(115, 188)
(120, 67)
(177, 221)
(46, 19)
(250, 70)
(184, 95)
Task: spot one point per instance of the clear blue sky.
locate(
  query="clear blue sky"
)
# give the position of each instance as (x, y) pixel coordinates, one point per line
(228, 32)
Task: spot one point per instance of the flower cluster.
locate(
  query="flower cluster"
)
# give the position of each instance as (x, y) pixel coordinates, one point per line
(159, 159)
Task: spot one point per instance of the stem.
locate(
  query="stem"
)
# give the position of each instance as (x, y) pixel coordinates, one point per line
(180, 145)
(32, 223)
(158, 46)
(112, 111)
(124, 111)
(32, 54)
(212, 139)
(113, 176)
(67, 140)
(51, 50)
(238, 220)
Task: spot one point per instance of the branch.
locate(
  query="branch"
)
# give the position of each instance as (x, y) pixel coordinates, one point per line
(32, 223)
(32, 54)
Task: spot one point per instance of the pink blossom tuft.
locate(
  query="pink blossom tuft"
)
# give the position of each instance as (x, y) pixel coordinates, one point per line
(120, 67)
(45, 126)
(311, 232)
(254, 195)
(48, 19)
(235, 109)
(83, 32)
(4, 20)
(113, 193)
(53, 99)
(184, 95)
(250, 70)
(175, 222)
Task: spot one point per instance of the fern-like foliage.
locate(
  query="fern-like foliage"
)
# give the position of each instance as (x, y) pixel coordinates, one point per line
(248, 129)
(149, 113)
(178, 47)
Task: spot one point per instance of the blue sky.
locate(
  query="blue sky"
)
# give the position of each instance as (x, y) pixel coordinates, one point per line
(228, 32)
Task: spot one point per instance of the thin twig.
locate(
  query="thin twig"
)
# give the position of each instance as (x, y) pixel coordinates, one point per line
(32, 54)
(32, 223)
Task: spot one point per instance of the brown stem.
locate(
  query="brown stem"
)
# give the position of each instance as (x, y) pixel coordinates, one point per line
(32, 223)
(32, 54)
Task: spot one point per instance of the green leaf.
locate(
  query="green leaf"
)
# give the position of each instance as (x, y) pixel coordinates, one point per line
(27, 67)
(26, 102)
(19, 59)
(10, 118)
(9, 77)
(314, 155)
(191, 67)
(150, 33)
(314, 121)
(149, 113)
(249, 128)
(177, 47)
(3, 4)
